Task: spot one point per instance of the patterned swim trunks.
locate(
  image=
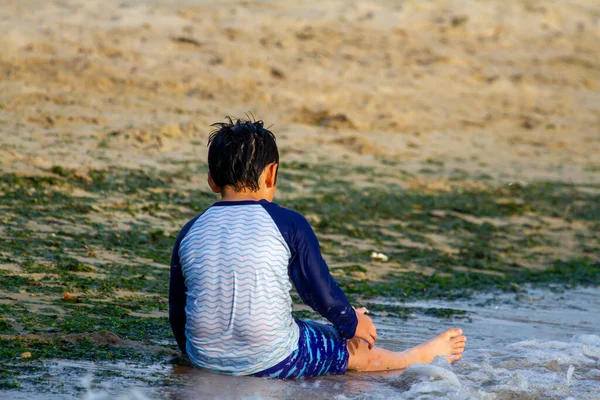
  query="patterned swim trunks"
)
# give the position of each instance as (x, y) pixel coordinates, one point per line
(321, 351)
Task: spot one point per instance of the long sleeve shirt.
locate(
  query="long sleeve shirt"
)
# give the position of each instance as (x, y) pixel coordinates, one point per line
(232, 270)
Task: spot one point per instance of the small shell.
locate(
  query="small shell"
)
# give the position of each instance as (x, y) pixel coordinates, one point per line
(379, 256)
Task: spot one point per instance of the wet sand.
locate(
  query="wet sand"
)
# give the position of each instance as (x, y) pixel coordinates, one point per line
(543, 345)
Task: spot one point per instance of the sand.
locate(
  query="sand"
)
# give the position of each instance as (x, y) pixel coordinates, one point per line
(508, 89)
(430, 95)
(492, 92)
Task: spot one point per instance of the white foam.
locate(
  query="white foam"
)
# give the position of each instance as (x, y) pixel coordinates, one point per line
(592, 340)
(433, 373)
(570, 374)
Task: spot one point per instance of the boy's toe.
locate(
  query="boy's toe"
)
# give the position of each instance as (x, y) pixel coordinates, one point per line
(453, 333)
(458, 339)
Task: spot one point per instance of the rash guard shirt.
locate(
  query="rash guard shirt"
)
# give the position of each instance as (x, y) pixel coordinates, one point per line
(232, 270)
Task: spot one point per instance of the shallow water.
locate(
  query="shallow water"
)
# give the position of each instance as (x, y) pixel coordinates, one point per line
(538, 345)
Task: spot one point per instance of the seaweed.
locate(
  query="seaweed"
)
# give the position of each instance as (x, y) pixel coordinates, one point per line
(135, 215)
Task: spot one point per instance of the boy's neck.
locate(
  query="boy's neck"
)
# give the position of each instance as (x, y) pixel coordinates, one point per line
(231, 195)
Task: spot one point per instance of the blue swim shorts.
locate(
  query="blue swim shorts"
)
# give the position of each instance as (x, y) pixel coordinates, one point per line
(321, 351)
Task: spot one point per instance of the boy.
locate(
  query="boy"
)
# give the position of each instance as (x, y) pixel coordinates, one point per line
(233, 267)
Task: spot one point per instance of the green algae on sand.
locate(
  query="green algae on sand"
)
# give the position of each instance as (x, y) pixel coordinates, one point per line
(104, 238)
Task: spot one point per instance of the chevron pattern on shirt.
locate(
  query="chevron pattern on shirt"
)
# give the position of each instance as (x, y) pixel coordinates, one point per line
(235, 264)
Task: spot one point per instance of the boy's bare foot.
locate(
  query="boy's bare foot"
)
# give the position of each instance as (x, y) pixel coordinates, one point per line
(450, 343)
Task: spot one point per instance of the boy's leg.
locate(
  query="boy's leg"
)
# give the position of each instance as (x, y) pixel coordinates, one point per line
(450, 343)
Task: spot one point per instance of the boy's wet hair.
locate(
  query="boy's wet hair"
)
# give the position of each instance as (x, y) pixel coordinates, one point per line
(238, 153)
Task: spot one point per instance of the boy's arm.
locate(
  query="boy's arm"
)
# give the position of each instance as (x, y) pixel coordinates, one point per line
(177, 300)
(177, 292)
(315, 285)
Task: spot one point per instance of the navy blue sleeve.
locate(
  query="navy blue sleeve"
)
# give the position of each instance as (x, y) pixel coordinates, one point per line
(309, 272)
(177, 291)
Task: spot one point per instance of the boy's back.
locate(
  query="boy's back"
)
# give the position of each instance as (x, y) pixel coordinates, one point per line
(232, 269)
(235, 264)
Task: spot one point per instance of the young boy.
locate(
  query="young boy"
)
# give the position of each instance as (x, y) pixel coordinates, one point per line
(233, 267)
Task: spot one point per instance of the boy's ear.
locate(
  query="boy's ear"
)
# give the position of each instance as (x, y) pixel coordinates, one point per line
(271, 175)
(213, 185)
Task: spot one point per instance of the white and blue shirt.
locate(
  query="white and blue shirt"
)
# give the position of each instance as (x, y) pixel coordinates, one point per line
(231, 274)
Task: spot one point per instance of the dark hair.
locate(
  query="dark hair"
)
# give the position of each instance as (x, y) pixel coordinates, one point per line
(239, 152)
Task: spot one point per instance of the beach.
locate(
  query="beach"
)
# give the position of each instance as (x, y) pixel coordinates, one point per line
(459, 139)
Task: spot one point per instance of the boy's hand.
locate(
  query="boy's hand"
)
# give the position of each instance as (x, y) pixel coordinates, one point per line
(365, 329)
